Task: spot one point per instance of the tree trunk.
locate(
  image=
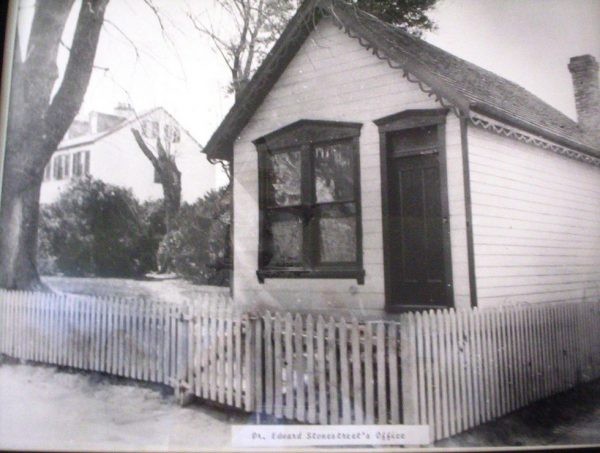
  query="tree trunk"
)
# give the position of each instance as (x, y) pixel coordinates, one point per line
(18, 237)
(171, 183)
(170, 177)
(37, 123)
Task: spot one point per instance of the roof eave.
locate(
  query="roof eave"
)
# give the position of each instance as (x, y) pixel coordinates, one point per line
(500, 115)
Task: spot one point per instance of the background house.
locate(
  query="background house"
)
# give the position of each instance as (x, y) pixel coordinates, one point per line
(104, 147)
(375, 172)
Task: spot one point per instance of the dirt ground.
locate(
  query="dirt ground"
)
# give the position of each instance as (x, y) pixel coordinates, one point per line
(57, 409)
(571, 418)
(44, 408)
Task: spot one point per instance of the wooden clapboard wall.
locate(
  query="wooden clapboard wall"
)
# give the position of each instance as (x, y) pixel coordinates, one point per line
(452, 370)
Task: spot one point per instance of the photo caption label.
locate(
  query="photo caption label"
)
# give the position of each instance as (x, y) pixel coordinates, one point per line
(328, 435)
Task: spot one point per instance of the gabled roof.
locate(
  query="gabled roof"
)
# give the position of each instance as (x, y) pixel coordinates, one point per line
(455, 82)
(89, 139)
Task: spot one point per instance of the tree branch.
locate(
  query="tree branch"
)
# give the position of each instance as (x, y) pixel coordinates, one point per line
(147, 151)
(68, 99)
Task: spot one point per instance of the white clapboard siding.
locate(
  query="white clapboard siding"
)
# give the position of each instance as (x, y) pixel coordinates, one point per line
(332, 77)
(536, 223)
(452, 370)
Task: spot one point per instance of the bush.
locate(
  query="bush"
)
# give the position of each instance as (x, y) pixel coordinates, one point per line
(198, 247)
(96, 229)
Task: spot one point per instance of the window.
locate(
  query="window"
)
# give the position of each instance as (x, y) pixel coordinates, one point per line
(86, 162)
(48, 172)
(66, 165)
(81, 163)
(310, 223)
(171, 133)
(57, 165)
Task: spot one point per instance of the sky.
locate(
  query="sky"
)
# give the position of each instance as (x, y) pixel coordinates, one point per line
(137, 62)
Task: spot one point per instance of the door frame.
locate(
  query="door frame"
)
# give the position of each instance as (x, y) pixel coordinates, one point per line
(387, 125)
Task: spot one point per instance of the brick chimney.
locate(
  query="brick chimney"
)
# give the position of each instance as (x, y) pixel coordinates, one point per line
(584, 71)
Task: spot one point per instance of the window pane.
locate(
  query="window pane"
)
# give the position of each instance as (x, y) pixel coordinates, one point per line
(418, 137)
(334, 172)
(86, 163)
(67, 164)
(337, 233)
(77, 164)
(283, 239)
(283, 181)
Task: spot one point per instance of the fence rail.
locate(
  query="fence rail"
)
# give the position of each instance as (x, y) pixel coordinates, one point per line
(449, 369)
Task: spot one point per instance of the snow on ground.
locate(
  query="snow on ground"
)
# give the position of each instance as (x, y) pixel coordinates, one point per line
(42, 407)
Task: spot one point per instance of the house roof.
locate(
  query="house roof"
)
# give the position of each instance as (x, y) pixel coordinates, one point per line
(89, 139)
(468, 88)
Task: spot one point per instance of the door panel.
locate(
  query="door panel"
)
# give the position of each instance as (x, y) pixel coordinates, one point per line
(416, 231)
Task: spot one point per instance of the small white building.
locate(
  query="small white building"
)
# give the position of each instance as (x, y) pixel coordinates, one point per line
(376, 173)
(105, 148)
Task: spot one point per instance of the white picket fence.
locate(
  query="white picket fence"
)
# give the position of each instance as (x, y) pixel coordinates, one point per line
(452, 370)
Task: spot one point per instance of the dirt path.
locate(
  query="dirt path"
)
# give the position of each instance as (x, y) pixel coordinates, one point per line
(571, 418)
(41, 407)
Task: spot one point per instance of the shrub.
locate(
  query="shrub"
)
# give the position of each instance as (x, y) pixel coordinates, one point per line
(96, 229)
(197, 248)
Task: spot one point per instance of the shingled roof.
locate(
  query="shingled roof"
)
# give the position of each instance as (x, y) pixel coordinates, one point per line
(456, 82)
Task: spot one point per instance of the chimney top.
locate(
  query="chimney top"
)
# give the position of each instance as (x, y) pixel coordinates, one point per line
(582, 63)
(584, 72)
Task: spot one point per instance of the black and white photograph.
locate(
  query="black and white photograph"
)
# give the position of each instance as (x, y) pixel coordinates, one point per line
(246, 225)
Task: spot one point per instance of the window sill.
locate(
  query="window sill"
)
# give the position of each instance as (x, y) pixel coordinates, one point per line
(358, 274)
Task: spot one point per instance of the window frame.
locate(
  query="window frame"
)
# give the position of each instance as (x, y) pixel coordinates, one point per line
(305, 136)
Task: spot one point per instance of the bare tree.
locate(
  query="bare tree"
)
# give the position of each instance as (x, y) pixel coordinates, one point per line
(165, 166)
(37, 123)
(256, 26)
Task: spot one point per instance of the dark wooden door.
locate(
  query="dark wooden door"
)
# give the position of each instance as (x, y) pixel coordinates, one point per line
(416, 230)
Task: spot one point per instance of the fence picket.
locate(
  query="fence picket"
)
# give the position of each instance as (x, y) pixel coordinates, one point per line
(369, 380)
(239, 355)
(311, 415)
(333, 373)
(321, 365)
(288, 367)
(381, 377)
(449, 369)
(298, 369)
(357, 384)
(344, 373)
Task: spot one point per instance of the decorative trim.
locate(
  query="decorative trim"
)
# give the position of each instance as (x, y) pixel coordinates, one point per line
(382, 55)
(512, 132)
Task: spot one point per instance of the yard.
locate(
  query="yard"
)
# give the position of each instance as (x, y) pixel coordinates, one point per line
(165, 288)
(51, 408)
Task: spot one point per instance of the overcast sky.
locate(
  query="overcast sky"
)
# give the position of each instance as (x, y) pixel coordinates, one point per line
(527, 41)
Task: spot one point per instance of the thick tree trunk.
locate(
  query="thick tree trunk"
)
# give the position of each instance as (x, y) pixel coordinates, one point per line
(37, 123)
(18, 237)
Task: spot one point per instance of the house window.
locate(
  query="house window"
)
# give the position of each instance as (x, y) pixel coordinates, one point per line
(310, 224)
(81, 163)
(66, 165)
(171, 133)
(57, 166)
(86, 163)
(48, 172)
